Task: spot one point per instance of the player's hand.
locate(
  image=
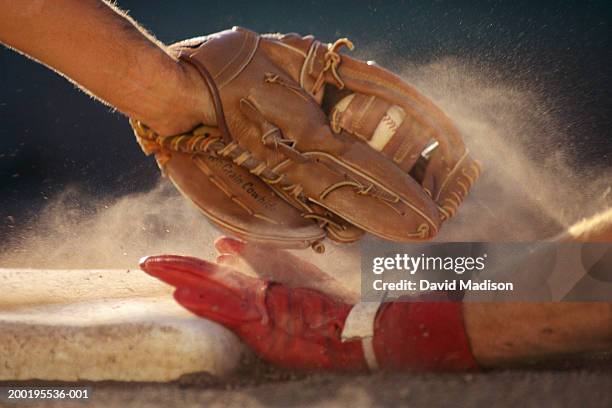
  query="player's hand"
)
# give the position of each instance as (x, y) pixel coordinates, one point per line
(294, 328)
(286, 322)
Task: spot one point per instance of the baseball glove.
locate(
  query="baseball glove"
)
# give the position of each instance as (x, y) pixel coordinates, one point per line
(311, 143)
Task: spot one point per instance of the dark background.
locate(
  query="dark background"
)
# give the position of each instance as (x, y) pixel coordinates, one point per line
(53, 136)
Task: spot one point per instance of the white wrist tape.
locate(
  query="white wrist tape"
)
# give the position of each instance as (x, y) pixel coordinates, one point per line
(359, 325)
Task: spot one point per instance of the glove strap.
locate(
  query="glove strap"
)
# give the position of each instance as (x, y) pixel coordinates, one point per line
(214, 93)
(359, 325)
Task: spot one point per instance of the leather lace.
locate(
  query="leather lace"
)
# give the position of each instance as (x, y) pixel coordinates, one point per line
(271, 78)
(332, 60)
(205, 139)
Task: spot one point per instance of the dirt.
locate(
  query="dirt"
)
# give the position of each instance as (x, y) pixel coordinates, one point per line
(585, 385)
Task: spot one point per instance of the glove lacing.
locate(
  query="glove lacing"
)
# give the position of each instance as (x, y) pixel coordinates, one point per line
(206, 139)
(332, 60)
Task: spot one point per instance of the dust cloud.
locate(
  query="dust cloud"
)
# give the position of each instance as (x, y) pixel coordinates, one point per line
(80, 231)
(531, 188)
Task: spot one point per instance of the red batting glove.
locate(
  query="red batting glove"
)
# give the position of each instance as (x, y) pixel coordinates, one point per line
(301, 328)
(294, 328)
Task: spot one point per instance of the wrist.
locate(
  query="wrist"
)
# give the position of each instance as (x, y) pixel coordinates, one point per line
(417, 335)
(179, 99)
(192, 103)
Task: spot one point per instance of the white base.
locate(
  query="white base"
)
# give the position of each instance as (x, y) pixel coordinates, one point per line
(104, 325)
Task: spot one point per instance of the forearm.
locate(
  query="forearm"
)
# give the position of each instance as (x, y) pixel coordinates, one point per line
(513, 332)
(107, 54)
(506, 333)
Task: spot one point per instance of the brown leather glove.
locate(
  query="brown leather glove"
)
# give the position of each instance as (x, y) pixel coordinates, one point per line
(310, 143)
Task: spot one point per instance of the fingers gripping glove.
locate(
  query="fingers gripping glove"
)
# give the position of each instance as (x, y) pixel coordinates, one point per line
(305, 329)
(385, 160)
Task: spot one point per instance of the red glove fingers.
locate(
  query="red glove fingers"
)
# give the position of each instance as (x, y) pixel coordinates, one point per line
(210, 290)
(294, 328)
(303, 329)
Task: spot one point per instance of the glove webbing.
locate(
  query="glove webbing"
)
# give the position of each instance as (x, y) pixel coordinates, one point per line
(207, 139)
